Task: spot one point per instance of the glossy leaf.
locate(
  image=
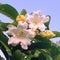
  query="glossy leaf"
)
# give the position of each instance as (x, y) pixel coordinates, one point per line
(57, 33)
(54, 50)
(42, 43)
(28, 57)
(5, 49)
(18, 55)
(41, 57)
(48, 57)
(46, 54)
(42, 39)
(57, 57)
(23, 12)
(8, 10)
(3, 26)
(3, 38)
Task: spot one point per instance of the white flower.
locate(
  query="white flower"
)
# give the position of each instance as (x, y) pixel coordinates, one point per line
(20, 35)
(37, 21)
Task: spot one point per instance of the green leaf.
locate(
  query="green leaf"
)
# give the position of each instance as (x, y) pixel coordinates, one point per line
(39, 38)
(57, 57)
(41, 57)
(56, 33)
(47, 23)
(46, 54)
(6, 47)
(37, 52)
(3, 38)
(8, 10)
(18, 55)
(42, 43)
(28, 57)
(54, 50)
(48, 57)
(6, 50)
(23, 12)
(3, 26)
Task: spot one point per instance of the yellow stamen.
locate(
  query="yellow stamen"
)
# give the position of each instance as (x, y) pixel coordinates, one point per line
(20, 18)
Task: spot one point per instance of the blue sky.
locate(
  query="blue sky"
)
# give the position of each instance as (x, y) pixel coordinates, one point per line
(48, 7)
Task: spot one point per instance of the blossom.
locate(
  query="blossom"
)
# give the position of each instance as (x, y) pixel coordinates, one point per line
(20, 35)
(36, 21)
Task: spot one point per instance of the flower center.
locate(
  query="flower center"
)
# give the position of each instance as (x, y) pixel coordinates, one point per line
(35, 22)
(21, 34)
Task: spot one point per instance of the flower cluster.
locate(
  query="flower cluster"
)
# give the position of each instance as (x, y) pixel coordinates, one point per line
(28, 27)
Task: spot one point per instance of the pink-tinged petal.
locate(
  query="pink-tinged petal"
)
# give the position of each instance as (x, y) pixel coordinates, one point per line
(11, 27)
(44, 19)
(13, 41)
(11, 30)
(29, 19)
(31, 33)
(32, 26)
(37, 13)
(22, 25)
(47, 18)
(24, 46)
(25, 42)
(42, 27)
(10, 33)
(27, 15)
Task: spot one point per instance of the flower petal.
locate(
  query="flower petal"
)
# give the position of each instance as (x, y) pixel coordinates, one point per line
(31, 33)
(13, 41)
(32, 26)
(22, 25)
(37, 13)
(42, 27)
(44, 19)
(25, 43)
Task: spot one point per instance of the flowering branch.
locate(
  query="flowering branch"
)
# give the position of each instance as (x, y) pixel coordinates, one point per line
(28, 37)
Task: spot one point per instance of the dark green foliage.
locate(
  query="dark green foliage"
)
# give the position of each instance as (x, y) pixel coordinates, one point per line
(3, 26)
(57, 33)
(18, 55)
(23, 12)
(3, 38)
(8, 10)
